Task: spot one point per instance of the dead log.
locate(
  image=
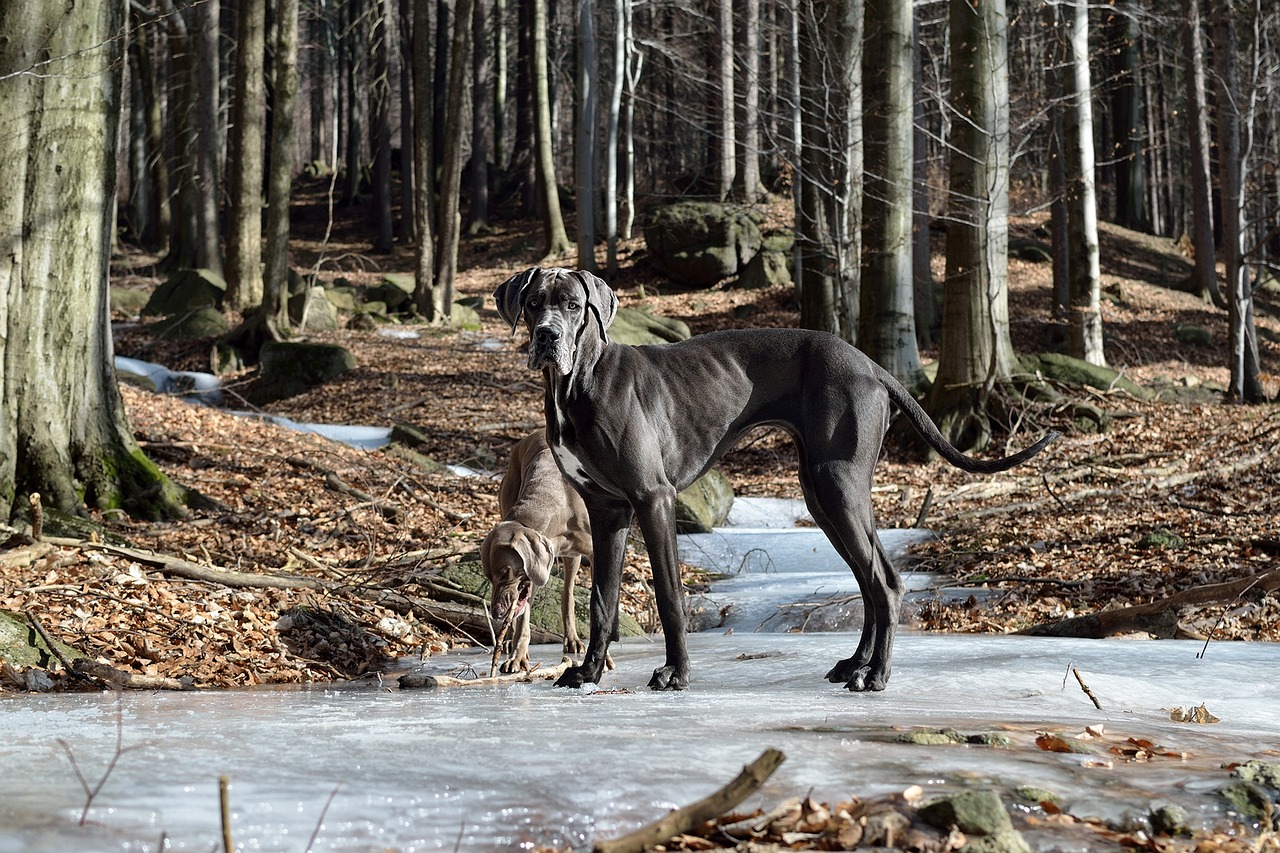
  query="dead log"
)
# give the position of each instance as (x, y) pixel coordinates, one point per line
(437, 681)
(695, 814)
(113, 677)
(1159, 618)
(178, 567)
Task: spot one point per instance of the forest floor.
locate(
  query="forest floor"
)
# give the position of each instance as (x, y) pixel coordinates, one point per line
(1178, 493)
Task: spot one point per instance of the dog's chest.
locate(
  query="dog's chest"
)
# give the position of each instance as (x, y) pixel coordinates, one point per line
(562, 437)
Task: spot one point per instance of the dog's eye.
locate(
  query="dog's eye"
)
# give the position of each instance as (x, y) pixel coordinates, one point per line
(572, 306)
(534, 302)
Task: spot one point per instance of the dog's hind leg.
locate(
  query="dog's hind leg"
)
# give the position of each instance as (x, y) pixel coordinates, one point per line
(839, 500)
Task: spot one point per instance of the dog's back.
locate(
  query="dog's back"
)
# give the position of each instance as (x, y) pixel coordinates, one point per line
(535, 493)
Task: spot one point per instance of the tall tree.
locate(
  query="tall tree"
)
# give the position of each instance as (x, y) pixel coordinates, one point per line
(1243, 351)
(284, 92)
(828, 179)
(482, 116)
(557, 239)
(244, 233)
(1127, 120)
(726, 165)
(752, 186)
(887, 331)
(1205, 274)
(452, 165)
(63, 429)
(585, 155)
(613, 125)
(380, 130)
(975, 352)
(1084, 319)
(423, 196)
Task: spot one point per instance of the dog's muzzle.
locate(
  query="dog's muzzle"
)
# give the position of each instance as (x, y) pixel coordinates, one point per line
(549, 345)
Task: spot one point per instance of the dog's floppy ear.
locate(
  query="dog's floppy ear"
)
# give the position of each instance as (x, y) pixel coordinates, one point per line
(538, 555)
(600, 299)
(511, 294)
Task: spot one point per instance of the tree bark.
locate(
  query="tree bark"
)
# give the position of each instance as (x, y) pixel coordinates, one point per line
(451, 167)
(274, 311)
(1243, 353)
(613, 126)
(482, 127)
(828, 232)
(63, 429)
(557, 239)
(887, 330)
(380, 129)
(1084, 320)
(423, 206)
(975, 352)
(752, 187)
(585, 155)
(726, 165)
(1205, 274)
(1128, 125)
(244, 237)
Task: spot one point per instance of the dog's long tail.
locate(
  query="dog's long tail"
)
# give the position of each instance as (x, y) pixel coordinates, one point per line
(929, 430)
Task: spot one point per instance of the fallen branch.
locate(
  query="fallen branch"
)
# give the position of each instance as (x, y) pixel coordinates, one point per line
(432, 682)
(690, 817)
(390, 510)
(1158, 617)
(127, 680)
(178, 567)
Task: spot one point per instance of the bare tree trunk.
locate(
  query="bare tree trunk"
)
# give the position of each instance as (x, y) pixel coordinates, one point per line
(924, 298)
(557, 239)
(585, 156)
(634, 66)
(244, 237)
(752, 186)
(1128, 126)
(1205, 274)
(208, 137)
(423, 145)
(1084, 321)
(830, 150)
(975, 352)
(613, 125)
(481, 117)
(65, 434)
(451, 167)
(500, 85)
(1243, 354)
(407, 172)
(355, 45)
(727, 163)
(380, 129)
(1055, 64)
(887, 330)
(274, 312)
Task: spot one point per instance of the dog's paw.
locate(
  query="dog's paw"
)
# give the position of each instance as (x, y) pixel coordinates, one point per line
(668, 678)
(867, 680)
(574, 676)
(516, 664)
(845, 671)
(573, 645)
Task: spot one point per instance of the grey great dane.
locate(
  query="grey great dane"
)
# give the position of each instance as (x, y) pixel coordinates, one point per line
(632, 426)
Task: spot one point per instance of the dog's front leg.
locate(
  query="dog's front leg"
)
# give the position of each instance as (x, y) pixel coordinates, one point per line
(610, 521)
(572, 642)
(519, 659)
(658, 524)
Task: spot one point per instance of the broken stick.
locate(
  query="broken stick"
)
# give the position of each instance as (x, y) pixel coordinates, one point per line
(433, 681)
(689, 817)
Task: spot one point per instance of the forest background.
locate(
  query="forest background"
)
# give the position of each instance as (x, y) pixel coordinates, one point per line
(895, 146)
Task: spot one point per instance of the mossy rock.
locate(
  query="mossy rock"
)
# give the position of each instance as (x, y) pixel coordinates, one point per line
(637, 327)
(1074, 371)
(186, 290)
(289, 368)
(22, 646)
(1025, 249)
(320, 312)
(128, 300)
(1161, 538)
(973, 812)
(468, 576)
(705, 505)
(345, 298)
(697, 244)
(771, 265)
(1249, 800)
(1189, 333)
(464, 317)
(395, 291)
(206, 322)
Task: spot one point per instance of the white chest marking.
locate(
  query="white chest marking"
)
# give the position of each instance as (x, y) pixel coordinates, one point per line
(570, 465)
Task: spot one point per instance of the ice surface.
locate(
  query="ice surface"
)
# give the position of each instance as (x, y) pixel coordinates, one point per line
(490, 768)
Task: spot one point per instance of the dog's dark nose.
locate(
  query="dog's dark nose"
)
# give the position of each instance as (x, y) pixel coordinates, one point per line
(546, 334)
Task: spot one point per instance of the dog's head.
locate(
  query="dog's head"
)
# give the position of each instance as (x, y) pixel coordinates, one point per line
(516, 560)
(560, 308)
